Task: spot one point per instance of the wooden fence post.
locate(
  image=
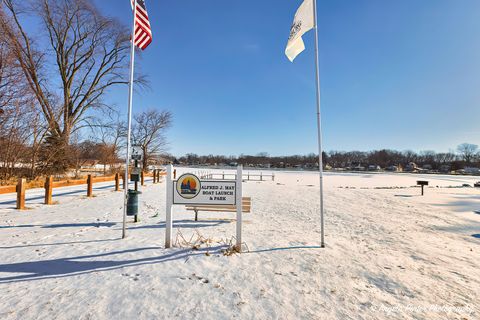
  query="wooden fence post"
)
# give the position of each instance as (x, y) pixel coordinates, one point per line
(21, 194)
(142, 178)
(117, 182)
(48, 190)
(89, 186)
(174, 173)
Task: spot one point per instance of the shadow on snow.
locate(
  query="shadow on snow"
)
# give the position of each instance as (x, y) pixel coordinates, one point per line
(184, 224)
(285, 248)
(63, 225)
(71, 266)
(176, 224)
(56, 243)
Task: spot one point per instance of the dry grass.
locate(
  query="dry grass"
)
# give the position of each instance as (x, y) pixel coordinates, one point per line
(232, 248)
(197, 241)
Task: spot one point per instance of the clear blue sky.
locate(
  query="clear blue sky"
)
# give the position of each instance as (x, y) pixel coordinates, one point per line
(399, 74)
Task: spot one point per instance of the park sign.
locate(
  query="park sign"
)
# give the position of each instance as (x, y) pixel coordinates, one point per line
(189, 189)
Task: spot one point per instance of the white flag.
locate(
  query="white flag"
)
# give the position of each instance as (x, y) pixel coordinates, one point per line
(302, 23)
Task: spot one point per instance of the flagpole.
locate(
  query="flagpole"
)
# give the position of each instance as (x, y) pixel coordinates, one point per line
(319, 124)
(130, 102)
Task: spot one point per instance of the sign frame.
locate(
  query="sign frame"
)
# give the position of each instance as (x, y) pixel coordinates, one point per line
(171, 187)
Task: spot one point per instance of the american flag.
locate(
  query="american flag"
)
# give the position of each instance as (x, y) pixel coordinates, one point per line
(143, 31)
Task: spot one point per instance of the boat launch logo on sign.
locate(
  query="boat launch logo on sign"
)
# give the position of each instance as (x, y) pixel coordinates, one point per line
(188, 186)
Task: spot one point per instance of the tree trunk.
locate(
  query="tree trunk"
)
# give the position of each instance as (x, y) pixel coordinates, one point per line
(145, 158)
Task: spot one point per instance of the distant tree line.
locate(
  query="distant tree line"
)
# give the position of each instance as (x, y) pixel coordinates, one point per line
(466, 155)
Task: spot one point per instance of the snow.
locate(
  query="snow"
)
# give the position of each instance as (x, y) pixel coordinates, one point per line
(390, 253)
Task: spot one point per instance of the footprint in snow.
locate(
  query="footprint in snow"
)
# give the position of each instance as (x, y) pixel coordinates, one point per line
(195, 277)
(134, 277)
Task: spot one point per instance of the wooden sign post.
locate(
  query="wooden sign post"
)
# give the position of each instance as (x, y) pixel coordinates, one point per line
(422, 184)
(21, 186)
(48, 190)
(90, 186)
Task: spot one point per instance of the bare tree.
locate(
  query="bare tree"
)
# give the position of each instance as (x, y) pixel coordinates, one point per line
(444, 158)
(149, 132)
(13, 88)
(39, 132)
(467, 151)
(8, 77)
(82, 153)
(18, 125)
(90, 56)
(109, 134)
(14, 137)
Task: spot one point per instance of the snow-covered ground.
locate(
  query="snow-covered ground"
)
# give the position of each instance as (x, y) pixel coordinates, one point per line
(391, 254)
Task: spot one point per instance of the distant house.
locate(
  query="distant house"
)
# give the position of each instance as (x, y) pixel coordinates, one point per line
(444, 168)
(92, 166)
(392, 168)
(471, 170)
(411, 167)
(374, 167)
(427, 167)
(358, 168)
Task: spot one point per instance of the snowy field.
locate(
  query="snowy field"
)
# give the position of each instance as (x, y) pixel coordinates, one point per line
(391, 254)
